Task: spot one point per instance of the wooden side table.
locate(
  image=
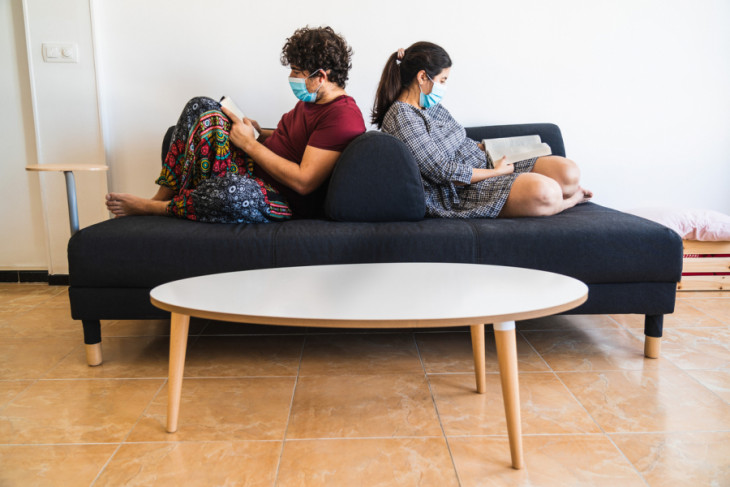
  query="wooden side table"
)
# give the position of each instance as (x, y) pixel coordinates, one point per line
(68, 172)
(93, 352)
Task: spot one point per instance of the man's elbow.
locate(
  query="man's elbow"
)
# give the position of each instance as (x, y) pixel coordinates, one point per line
(304, 187)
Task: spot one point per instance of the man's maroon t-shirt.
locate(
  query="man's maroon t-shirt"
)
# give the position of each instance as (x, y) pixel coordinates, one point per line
(329, 126)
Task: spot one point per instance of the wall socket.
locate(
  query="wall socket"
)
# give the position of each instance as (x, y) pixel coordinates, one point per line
(60, 52)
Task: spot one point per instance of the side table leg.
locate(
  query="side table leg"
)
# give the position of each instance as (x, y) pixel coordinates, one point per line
(480, 368)
(73, 210)
(504, 337)
(178, 346)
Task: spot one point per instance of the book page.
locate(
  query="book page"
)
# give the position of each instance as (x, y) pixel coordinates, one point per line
(516, 148)
(228, 103)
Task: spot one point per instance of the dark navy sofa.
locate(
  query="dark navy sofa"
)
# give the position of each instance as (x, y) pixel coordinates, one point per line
(375, 213)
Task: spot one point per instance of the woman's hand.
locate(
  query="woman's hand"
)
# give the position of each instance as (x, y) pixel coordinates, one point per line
(481, 147)
(242, 134)
(503, 168)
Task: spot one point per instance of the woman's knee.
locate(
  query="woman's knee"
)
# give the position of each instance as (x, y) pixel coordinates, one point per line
(547, 196)
(201, 104)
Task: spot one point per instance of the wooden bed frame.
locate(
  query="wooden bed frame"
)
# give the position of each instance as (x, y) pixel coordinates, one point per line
(708, 266)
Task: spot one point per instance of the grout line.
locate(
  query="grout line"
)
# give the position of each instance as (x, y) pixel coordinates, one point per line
(603, 431)
(436, 409)
(119, 446)
(291, 406)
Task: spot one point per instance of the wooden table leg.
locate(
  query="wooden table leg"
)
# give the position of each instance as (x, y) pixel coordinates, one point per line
(178, 346)
(504, 336)
(480, 368)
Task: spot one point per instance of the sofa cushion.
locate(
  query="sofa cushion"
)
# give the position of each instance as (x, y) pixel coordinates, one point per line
(376, 179)
(589, 242)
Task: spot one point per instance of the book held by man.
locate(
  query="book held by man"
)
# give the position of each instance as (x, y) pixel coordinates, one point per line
(516, 148)
(228, 103)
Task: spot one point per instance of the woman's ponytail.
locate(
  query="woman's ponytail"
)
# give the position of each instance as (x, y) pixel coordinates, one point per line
(388, 89)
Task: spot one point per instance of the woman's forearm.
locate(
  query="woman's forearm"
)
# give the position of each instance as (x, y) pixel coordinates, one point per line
(482, 174)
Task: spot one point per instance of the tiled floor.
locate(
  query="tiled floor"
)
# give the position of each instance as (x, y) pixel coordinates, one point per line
(269, 406)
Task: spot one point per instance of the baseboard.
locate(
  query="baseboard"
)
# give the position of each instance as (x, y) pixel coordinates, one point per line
(34, 276)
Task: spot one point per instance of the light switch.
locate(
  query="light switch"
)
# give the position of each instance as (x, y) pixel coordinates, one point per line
(60, 52)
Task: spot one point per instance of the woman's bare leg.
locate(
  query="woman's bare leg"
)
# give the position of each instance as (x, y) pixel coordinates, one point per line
(562, 170)
(123, 204)
(535, 194)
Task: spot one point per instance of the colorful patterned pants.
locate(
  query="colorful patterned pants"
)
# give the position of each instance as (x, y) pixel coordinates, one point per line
(213, 179)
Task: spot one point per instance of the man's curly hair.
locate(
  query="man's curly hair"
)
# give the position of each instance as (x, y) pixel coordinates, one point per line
(310, 49)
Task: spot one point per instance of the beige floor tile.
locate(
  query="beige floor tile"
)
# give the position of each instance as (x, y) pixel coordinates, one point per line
(354, 354)
(545, 404)
(229, 463)
(679, 458)
(685, 315)
(45, 322)
(132, 358)
(689, 295)
(226, 328)
(372, 462)
(363, 406)
(452, 353)
(76, 411)
(130, 328)
(590, 349)
(28, 294)
(549, 461)
(650, 400)
(567, 322)
(9, 390)
(221, 409)
(717, 308)
(697, 348)
(239, 356)
(52, 465)
(718, 381)
(31, 358)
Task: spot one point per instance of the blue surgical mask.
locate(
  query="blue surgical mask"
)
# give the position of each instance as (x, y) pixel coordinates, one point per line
(299, 87)
(434, 98)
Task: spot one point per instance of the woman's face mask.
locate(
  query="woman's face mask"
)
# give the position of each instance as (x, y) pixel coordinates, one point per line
(299, 87)
(434, 98)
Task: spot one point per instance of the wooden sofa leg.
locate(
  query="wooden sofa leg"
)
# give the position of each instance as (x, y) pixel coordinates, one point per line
(652, 346)
(92, 339)
(653, 328)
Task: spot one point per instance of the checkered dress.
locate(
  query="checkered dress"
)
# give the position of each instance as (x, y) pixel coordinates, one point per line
(446, 157)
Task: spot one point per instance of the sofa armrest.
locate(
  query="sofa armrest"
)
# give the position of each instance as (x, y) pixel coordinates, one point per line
(548, 132)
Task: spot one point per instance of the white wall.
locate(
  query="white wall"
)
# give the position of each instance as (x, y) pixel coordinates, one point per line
(59, 125)
(639, 87)
(23, 237)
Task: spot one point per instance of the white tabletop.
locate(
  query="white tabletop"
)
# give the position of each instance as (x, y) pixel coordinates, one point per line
(373, 295)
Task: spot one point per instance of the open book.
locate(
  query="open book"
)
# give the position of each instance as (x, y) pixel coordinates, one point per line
(228, 103)
(516, 148)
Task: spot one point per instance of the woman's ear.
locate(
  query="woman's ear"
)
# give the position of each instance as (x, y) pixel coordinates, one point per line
(421, 76)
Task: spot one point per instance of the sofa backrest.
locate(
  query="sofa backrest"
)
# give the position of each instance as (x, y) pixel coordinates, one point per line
(376, 179)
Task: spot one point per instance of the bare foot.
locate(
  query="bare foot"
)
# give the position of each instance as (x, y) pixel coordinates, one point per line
(123, 204)
(587, 195)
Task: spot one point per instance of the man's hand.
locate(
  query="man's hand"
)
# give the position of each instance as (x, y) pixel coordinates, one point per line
(242, 134)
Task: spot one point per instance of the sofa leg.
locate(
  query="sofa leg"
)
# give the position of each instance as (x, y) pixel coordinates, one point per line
(93, 354)
(652, 346)
(92, 339)
(653, 329)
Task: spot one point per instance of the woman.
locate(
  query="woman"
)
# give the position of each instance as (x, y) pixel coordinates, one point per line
(216, 171)
(458, 178)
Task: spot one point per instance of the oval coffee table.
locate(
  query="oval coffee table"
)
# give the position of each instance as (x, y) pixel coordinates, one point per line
(392, 295)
